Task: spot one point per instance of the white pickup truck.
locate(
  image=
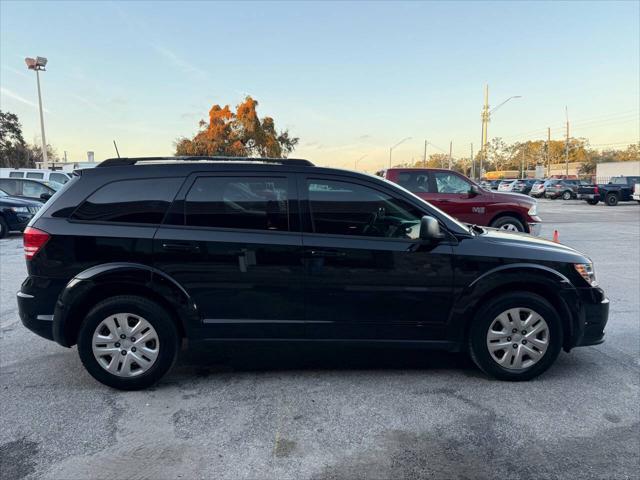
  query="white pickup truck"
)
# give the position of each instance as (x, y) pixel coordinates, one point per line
(636, 192)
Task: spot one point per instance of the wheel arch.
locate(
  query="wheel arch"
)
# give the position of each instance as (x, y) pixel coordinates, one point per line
(510, 213)
(531, 278)
(98, 283)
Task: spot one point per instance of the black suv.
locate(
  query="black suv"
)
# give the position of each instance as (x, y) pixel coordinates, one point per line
(130, 258)
(15, 213)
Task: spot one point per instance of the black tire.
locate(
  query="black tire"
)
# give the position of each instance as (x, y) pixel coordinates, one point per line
(592, 201)
(484, 318)
(611, 199)
(4, 228)
(502, 222)
(567, 195)
(157, 316)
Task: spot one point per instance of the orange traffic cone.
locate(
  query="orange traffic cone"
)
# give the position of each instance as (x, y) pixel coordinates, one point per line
(555, 236)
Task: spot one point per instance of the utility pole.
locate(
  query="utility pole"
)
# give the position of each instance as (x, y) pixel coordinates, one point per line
(38, 65)
(485, 122)
(424, 158)
(450, 149)
(473, 165)
(548, 152)
(566, 149)
(522, 163)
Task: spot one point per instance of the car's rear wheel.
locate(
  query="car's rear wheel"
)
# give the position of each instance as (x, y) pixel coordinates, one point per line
(128, 342)
(567, 195)
(4, 228)
(509, 223)
(611, 199)
(592, 202)
(516, 336)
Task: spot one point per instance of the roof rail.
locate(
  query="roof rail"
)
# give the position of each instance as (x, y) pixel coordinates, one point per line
(119, 162)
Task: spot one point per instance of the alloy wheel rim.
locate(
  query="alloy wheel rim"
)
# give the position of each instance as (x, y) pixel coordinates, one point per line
(518, 338)
(509, 227)
(125, 345)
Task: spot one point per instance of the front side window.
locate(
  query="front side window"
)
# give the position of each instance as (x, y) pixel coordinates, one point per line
(451, 183)
(130, 201)
(344, 208)
(9, 186)
(252, 203)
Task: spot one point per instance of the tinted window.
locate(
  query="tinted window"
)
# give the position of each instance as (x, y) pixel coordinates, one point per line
(130, 201)
(59, 177)
(36, 175)
(9, 186)
(255, 203)
(452, 183)
(414, 181)
(343, 208)
(16, 174)
(34, 189)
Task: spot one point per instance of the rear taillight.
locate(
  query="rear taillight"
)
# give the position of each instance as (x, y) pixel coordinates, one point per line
(33, 240)
(595, 189)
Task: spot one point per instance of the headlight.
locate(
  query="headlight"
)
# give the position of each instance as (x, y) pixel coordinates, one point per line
(533, 210)
(19, 209)
(587, 272)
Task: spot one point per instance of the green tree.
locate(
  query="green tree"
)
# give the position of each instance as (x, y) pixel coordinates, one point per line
(238, 134)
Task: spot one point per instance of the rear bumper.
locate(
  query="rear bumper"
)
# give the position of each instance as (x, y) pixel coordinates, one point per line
(36, 304)
(588, 196)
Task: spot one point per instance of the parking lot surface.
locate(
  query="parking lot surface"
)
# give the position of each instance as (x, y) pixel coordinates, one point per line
(337, 411)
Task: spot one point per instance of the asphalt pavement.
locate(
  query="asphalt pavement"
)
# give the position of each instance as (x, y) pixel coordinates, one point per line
(337, 412)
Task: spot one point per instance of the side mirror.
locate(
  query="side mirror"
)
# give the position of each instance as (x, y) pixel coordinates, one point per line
(45, 196)
(474, 191)
(430, 229)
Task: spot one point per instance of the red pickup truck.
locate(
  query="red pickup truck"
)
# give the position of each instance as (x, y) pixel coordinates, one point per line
(464, 199)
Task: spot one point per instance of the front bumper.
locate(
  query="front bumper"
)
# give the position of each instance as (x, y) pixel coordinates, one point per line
(534, 229)
(593, 317)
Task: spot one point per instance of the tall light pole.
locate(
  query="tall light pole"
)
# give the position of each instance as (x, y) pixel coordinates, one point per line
(486, 117)
(391, 149)
(38, 64)
(355, 166)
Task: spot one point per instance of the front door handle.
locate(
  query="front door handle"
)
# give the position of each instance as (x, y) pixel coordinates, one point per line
(180, 247)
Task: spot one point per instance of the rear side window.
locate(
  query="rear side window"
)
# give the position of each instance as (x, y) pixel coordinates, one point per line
(452, 183)
(130, 201)
(59, 177)
(252, 203)
(10, 186)
(36, 175)
(414, 181)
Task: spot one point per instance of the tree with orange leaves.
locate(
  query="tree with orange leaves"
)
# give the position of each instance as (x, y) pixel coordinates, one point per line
(238, 134)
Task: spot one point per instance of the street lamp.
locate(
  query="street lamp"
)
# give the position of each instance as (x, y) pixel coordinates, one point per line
(355, 166)
(391, 149)
(486, 116)
(38, 64)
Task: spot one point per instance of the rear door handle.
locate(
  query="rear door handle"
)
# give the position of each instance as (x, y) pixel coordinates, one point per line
(327, 253)
(180, 247)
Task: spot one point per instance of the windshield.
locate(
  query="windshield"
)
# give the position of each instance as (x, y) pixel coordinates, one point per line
(55, 185)
(3, 193)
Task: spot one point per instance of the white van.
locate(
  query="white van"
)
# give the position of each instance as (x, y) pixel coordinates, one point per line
(36, 174)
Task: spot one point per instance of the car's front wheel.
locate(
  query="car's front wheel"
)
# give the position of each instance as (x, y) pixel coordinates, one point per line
(509, 223)
(567, 195)
(516, 336)
(128, 342)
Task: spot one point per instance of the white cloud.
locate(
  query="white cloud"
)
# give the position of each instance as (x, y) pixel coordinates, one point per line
(8, 93)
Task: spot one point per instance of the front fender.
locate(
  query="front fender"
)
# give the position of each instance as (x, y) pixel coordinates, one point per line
(102, 281)
(536, 278)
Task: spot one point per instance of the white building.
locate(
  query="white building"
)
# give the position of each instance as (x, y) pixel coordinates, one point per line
(604, 171)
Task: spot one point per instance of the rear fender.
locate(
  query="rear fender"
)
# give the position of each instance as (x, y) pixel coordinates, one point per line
(102, 281)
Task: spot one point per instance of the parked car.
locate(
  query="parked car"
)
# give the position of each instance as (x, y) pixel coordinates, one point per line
(619, 189)
(636, 192)
(15, 213)
(132, 257)
(36, 174)
(561, 188)
(462, 198)
(523, 185)
(490, 184)
(30, 189)
(537, 189)
(506, 185)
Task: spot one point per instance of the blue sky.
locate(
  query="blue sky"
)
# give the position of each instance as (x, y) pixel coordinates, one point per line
(349, 79)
